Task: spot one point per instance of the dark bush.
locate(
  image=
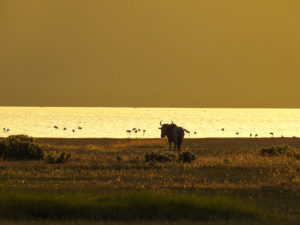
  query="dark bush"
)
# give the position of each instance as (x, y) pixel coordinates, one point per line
(54, 159)
(158, 157)
(119, 158)
(20, 147)
(186, 157)
(278, 150)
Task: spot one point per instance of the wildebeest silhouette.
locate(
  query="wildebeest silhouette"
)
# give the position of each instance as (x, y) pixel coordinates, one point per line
(174, 134)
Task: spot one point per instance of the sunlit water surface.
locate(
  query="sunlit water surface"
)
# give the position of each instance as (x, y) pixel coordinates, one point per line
(114, 122)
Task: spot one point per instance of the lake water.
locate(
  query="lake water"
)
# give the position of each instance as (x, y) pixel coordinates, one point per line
(113, 122)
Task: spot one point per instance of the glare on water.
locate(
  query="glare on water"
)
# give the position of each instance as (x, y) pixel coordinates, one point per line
(115, 122)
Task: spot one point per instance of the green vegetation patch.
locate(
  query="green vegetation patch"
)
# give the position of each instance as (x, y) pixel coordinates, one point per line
(59, 158)
(122, 206)
(20, 147)
(159, 157)
(280, 150)
(186, 157)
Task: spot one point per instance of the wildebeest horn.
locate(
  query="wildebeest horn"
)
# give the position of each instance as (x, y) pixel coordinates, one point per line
(160, 123)
(172, 121)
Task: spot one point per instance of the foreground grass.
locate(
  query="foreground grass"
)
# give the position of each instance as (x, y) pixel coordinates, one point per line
(122, 206)
(156, 222)
(225, 170)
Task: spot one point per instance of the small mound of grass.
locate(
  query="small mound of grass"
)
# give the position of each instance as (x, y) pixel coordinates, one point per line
(159, 157)
(186, 157)
(279, 150)
(20, 147)
(55, 159)
(122, 206)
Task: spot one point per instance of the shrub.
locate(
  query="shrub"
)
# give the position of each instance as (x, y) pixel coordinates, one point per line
(278, 150)
(20, 147)
(54, 159)
(158, 157)
(119, 158)
(186, 157)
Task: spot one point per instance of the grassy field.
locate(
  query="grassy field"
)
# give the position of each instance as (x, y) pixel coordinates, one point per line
(228, 183)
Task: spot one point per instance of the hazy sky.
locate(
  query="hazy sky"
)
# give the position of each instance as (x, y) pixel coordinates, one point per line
(164, 53)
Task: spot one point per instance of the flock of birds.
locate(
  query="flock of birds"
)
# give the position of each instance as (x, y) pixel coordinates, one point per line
(251, 135)
(137, 130)
(73, 130)
(5, 130)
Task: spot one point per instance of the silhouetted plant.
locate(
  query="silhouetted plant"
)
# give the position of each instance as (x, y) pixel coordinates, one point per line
(20, 147)
(157, 157)
(186, 157)
(119, 158)
(279, 150)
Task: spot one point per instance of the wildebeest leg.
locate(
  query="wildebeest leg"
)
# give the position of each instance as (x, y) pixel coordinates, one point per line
(169, 146)
(174, 146)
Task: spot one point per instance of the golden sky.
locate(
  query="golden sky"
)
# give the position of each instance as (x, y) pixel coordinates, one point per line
(163, 53)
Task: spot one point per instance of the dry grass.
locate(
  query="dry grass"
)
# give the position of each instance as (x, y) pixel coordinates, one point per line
(226, 166)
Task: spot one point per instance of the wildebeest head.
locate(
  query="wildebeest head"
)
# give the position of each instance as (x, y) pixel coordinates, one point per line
(166, 128)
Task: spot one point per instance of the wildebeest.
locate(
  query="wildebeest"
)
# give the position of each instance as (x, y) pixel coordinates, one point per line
(174, 134)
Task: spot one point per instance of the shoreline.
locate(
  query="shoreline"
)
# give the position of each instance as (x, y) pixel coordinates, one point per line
(192, 143)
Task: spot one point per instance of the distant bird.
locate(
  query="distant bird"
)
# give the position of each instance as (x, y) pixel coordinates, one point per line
(223, 129)
(56, 127)
(237, 133)
(7, 130)
(256, 135)
(73, 130)
(79, 127)
(135, 131)
(271, 133)
(134, 128)
(144, 131)
(282, 136)
(250, 134)
(139, 129)
(65, 128)
(195, 132)
(128, 131)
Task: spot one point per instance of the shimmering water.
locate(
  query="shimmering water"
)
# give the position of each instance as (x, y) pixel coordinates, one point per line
(113, 122)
